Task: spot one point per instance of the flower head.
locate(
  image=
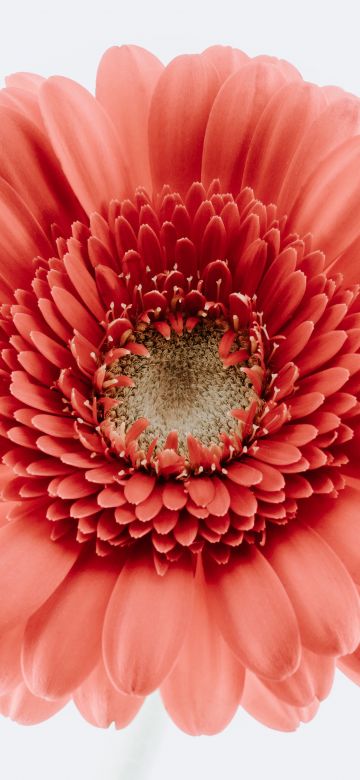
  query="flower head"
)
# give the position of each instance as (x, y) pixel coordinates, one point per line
(180, 390)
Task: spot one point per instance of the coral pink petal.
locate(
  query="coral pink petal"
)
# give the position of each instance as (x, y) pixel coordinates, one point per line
(280, 130)
(254, 614)
(25, 550)
(30, 166)
(203, 690)
(327, 203)
(350, 665)
(145, 623)
(10, 651)
(127, 76)
(263, 705)
(339, 121)
(178, 115)
(21, 238)
(344, 263)
(286, 68)
(101, 704)
(24, 101)
(24, 80)
(338, 522)
(313, 678)
(225, 59)
(238, 106)
(179, 415)
(93, 161)
(321, 591)
(20, 705)
(54, 667)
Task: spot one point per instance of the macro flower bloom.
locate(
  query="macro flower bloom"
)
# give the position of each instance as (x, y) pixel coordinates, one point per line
(180, 316)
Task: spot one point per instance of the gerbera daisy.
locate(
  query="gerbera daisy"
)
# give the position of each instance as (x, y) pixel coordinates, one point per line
(179, 267)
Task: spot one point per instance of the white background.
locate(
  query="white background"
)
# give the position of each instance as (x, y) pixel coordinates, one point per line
(68, 37)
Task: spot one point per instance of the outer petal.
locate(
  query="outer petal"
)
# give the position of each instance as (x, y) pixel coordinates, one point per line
(254, 614)
(225, 59)
(21, 238)
(24, 101)
(203, 690)
(32, 567)
(350, 665)
(347, 263)
(327, 204)
(313, 679)
(268, 709)
(338, 523)
(10, 651)
(290, 72)
(23, 80)
(62, 642)
(279, 132)
(145, 624)
(28, 163)
(234, 116)
(339, 121)
(321, 591)
(85, 142)
(22, 706)
(126, 79)
(178, 115)
(101, 704)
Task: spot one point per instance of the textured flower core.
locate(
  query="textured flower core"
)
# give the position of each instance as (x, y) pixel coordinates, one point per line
(182, 387)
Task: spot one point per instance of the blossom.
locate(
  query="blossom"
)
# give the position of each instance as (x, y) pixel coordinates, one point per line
(180, 390)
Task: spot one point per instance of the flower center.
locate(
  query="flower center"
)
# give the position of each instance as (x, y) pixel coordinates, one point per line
(181, 386)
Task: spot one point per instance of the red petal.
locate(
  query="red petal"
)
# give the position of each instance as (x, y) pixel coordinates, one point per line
(275, 453)
(186, 529)
(151, 506)
(243, 474)
(139, 487)
(242, 500)
(76, 314)
(174, 495)
(221, 501)
(201, 490)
